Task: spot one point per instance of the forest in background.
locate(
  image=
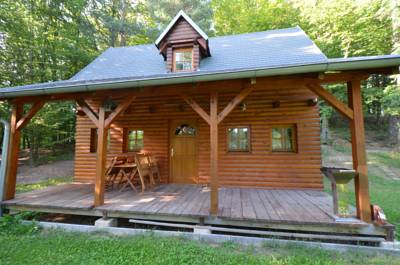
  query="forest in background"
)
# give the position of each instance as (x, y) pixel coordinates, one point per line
(49, 40)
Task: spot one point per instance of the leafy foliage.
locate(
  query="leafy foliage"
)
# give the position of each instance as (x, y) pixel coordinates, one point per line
(12, 225)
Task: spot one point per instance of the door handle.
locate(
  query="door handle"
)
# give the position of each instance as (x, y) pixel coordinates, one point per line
(172, 152)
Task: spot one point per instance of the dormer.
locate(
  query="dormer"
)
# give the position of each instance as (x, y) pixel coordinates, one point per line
(183, 44)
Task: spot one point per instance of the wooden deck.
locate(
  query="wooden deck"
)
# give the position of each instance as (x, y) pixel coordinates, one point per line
(303, 206)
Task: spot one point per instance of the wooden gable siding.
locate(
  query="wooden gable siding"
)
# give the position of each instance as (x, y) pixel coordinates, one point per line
(182, 31)
(259, 168)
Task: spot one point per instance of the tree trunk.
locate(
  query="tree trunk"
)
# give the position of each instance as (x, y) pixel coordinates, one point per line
(394, 130)
(324, 130)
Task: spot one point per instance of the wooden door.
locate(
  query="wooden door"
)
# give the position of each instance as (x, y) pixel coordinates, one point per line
(183, 151)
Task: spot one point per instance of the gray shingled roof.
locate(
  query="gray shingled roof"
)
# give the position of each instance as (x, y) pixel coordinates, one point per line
(267, 49)
(267, 53)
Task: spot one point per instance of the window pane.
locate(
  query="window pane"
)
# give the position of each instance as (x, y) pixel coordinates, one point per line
(135, 140)
(238, 139)
(185, 129)
(183, 61)
(283, 139)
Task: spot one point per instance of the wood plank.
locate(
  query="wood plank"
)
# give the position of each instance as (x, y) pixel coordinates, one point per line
(120, 109)
(341, 107)
(358, 152)
(196, 107)
(88, 111)
(236, 209)
(235, 101)
(99, 188)
(247, 206)
(258, 206)
(13, 149)
(29, 115)
(214, 153)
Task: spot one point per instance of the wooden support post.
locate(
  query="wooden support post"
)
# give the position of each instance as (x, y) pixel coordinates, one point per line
(13, 148)
(101, 159)
(214, 153)
(358, 151)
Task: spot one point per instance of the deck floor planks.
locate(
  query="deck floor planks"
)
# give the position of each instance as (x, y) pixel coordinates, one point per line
(273, 215)
(190, 200)
(275, 204)
(236, 208)
(309, 208)
(292, 205)
(247, 206)
(258, 206)
(193, 203)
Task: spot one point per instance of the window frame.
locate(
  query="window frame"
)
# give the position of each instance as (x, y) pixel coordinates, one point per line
(293, 126)
(126, 140)
(228, 150)
(176, 50)
(93, 139)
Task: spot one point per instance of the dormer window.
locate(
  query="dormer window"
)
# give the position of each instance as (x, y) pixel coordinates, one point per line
(183, 44)
(183, 60)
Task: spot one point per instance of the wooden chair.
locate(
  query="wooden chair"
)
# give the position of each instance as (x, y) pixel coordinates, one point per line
(143, 168)
(154, 167)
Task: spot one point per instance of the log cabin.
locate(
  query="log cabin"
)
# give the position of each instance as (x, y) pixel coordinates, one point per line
(232, 121)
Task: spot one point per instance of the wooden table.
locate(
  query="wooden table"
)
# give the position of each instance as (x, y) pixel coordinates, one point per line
(127, 170)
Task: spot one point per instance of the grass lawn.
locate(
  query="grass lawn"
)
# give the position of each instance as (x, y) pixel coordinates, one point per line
(55, 247)
(41, 185)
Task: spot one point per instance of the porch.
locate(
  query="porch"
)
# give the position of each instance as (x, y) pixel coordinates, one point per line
(187, 203)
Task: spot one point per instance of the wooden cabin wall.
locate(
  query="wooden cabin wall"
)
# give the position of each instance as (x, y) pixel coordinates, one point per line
(259, 168)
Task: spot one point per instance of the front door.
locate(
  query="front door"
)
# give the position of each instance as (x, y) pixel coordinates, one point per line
(183, 151)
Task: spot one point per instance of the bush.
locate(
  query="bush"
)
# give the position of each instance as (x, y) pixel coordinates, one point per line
(12, 224)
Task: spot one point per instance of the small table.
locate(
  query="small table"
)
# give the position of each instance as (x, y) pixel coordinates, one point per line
(127, 170)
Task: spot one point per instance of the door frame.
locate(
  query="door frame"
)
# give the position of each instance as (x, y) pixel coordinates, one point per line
(171, 129)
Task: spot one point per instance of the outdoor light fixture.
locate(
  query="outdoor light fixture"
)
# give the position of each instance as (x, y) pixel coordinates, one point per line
(109, 104)
(243, 106)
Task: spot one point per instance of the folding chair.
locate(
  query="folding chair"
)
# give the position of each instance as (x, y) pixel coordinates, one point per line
(154, 167)
(143, 168)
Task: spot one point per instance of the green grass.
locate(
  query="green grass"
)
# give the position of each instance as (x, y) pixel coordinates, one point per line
(391, 159)
(41, 185)
(55, 247)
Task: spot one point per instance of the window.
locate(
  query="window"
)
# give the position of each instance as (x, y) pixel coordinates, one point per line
(185, 129)
(134, 140)
(93, 140)
(284, 138)
(239, 139)
(183, 60)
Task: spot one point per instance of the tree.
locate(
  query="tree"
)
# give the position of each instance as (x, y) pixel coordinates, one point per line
(242, 16)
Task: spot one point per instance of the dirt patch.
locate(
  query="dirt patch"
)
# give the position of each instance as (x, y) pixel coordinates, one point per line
(59, 169)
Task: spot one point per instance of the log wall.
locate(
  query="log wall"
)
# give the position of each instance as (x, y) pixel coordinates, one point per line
(259, 168)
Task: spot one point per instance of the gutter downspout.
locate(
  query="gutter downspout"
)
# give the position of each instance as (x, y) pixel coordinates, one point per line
(4, 156)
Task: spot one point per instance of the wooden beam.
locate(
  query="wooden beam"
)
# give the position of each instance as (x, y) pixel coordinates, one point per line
(13, 148)
(121, 108)
(341, 107)
(196, 107)
(214, 153)
(235, 101)
(101, 159)
(29, 115)
(88, 111)
(358, 151)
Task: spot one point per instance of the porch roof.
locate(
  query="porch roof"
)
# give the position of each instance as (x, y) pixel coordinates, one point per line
(258, 54)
